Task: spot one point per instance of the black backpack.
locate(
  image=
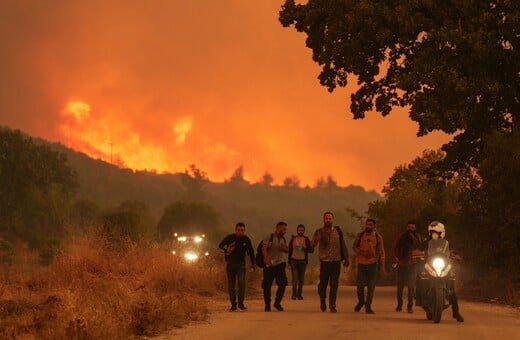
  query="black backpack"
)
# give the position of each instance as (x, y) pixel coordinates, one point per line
(259, 258)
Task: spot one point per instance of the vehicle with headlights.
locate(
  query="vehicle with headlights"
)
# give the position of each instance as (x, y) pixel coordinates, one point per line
(439, 282)
(191, 248)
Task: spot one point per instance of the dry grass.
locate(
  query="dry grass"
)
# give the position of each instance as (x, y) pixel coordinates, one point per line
(96, 292)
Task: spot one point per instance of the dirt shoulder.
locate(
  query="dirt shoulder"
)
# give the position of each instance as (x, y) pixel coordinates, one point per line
(304, 320)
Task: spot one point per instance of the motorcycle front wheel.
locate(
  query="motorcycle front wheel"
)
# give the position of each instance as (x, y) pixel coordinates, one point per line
(438, 305)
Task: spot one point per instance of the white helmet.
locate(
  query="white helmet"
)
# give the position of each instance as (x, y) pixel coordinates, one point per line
(438, 227)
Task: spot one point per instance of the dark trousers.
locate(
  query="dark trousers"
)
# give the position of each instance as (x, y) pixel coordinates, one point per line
(454, 302)
(406, 275)
(366, 276)
(298, 276)
(236, 272)
(329, 272)
(274, 273)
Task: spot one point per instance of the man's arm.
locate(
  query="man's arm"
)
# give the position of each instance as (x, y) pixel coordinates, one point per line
(395, 252)
(316, 238)
(344, 248)
(291, 244)
(381, 255)
(224, 243)
(251, 252)
(308, 244)
(267, 259)
(283, 246)
(357, 242)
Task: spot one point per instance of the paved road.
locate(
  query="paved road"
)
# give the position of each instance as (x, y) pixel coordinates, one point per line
(304, 320)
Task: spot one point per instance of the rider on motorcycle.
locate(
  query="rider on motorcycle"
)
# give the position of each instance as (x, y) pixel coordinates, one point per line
(438, 244)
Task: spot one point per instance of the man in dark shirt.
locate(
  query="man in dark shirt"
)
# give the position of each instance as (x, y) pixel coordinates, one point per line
(406, 252)
(235, 247)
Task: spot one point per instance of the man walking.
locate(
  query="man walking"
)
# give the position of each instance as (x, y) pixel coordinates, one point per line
(332, 250)
(235, 247)
(369, 248)
(405, 252)
(274, 249)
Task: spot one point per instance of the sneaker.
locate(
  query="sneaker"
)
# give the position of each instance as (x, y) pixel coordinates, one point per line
(409, 309)
(242, 307)
(458, 317)
(333, 310)
(300, 297)
(369, 311)
(323, 305)
(278, 307)
(233, 308)
(293, 298)
(399, 308)
(359, 306)
(267, 308)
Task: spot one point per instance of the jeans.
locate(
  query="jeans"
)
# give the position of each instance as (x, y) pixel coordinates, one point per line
(271, 274)
(366, 276)
(236, 271)
(406, 275)
(329, 271)
(298, 276)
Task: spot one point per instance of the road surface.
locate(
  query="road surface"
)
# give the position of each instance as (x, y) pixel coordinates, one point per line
(304, 320)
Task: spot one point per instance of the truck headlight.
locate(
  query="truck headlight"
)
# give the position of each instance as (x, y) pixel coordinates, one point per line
(190, 256)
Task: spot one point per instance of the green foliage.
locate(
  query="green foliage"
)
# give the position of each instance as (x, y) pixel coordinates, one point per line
(455, 65)
(130, 220)
(36, 186)
(6, 252)
(84, 214)
(193, 181)
(187, 218)
(415, 192)
(493, 206)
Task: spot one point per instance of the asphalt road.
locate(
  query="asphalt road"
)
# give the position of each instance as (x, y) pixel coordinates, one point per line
(304, 320)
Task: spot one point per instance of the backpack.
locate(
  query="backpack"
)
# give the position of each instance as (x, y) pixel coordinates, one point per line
(341, 242)
(259, 258)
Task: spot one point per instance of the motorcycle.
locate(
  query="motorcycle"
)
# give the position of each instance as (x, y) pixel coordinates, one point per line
(437, 282)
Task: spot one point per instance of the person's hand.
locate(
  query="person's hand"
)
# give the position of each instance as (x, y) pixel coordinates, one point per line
(345, 266)
(382, 271)
(251, 269)
(268, 262)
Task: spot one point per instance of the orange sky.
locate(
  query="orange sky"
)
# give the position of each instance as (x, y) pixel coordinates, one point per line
(164, 84)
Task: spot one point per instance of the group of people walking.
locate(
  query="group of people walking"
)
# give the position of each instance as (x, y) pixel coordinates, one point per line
(332, 253)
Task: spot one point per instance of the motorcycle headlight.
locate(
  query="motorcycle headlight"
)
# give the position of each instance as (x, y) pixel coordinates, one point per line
(438, 265)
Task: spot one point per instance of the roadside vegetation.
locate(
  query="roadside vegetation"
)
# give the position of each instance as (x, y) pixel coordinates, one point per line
(97, 289)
